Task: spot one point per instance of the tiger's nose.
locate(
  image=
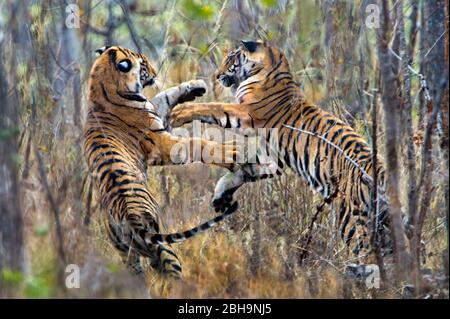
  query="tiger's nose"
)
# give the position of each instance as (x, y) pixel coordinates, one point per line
(138, 87)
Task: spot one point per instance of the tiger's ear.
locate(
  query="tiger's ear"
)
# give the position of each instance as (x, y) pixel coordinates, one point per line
(251, 46)
(102, 50)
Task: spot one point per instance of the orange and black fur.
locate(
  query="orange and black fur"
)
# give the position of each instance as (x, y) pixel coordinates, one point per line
(124, 133)
(268, 97)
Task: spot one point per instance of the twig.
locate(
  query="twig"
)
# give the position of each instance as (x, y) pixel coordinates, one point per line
(133, 33)
(423, 81)
(321, 258)
(434, 44)
(53, 205)
(320, 207)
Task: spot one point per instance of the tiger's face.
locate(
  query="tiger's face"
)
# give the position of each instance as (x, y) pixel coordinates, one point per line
(122, 73)
(229, 73)
(246, 61)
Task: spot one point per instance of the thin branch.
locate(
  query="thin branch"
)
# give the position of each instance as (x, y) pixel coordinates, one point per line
(423, 81)
(434, 44)
(319, 209)
(366, 176)
(131, 28)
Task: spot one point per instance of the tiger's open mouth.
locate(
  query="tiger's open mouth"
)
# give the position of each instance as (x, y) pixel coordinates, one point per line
(148, 82)
(226, 80)
(133, 96)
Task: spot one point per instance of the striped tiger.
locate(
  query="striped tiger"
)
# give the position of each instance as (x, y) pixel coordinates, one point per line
(124, 133)
(268, 97)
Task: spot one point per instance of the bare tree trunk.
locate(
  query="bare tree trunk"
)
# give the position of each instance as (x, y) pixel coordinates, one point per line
(329, 31)
(444, 136)
(434, 60)
(414, 28)
(426, 177)
(375, 241)
(406, 122)
(391, 105)
(11, 220)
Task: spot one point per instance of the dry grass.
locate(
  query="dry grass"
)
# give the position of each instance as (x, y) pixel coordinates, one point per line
(249, 256)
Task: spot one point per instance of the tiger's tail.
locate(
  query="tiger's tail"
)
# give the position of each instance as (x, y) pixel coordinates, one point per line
(167, 239)
(167, 261)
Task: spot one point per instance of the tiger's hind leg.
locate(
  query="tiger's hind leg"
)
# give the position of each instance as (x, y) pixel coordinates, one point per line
(358, 240)
(162, 281)
(132, 260)
(168, 263)
(130, 243)
(161, 258)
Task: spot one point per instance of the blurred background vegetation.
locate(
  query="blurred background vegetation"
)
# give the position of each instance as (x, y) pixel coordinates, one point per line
(279, 245)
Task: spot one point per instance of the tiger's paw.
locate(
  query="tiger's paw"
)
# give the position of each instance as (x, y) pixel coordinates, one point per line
(222, 201)
(191, 90)
(360, 271)
(180, 115)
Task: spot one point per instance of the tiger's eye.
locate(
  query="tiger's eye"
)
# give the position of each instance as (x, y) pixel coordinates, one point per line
(124, 66)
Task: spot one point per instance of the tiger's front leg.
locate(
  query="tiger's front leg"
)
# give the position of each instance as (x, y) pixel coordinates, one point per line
(223, 114)
(182, 150)
(167, 99)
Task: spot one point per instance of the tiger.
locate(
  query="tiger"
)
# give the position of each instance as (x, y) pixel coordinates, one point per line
(339, 170)
(124, 133)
